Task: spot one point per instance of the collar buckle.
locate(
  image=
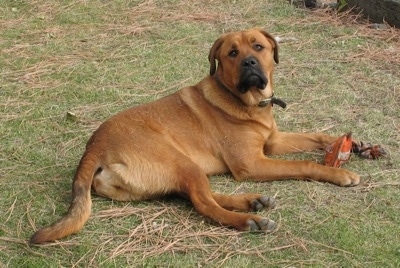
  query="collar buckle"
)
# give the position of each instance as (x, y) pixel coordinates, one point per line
(263, 103)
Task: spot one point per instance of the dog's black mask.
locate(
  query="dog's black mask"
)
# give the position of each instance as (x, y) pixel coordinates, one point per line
(251, 75)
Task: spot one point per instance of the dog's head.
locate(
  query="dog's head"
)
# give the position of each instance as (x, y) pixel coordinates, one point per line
(245, 64)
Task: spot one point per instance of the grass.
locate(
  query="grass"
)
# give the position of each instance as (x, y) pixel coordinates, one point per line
(66, 66)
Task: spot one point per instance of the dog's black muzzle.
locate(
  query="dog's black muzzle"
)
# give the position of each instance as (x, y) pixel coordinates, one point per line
(251, 75)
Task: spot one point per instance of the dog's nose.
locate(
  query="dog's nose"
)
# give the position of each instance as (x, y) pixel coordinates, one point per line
(250, 62)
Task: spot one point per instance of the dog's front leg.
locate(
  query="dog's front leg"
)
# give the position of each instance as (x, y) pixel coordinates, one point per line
(284, 142)
(264, 169)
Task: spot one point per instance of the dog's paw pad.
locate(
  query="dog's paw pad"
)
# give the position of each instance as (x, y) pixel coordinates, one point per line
(264, 202)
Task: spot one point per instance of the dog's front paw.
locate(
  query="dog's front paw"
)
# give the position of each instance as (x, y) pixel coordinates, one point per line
(348, 178)
(263, 202)
(263, 225)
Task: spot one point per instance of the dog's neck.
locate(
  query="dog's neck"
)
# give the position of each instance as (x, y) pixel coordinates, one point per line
(224, 100)
(222, 86)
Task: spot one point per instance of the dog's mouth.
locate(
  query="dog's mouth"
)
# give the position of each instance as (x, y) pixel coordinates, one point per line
(247, 81)
(251, 75)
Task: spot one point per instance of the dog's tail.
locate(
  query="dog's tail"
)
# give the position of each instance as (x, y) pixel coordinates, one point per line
(79, 210)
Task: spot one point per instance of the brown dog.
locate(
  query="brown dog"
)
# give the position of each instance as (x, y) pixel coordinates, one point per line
(223, 124)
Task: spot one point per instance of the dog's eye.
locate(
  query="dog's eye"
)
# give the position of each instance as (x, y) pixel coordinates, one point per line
(233, 53)
(258, 47)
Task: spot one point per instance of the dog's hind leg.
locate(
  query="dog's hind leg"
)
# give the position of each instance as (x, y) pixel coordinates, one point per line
(123, 182)
(245, 202)
(108, 183)
(195, 184)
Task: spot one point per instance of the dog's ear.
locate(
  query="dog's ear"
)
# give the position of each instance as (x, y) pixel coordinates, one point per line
(213, 54)
(274, 44)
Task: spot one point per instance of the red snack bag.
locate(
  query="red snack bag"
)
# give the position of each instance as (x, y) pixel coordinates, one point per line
(339, 152)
